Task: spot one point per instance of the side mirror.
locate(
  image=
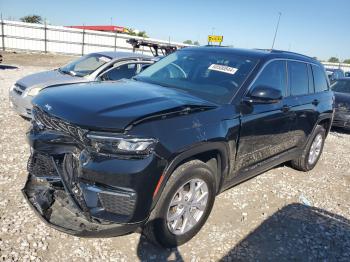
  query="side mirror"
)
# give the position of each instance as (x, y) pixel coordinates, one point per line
(264, 95)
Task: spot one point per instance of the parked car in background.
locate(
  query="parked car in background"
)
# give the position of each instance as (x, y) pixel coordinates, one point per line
(152, 153)
(103, 66)
(334, 74)
(341, 89)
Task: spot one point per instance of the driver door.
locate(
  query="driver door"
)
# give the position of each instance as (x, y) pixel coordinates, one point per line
(265, 127)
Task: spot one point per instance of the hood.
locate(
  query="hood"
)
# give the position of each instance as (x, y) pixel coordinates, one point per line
(342, 98)
(115, 105)
(48, 78)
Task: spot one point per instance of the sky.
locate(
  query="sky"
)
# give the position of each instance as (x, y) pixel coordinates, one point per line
(318, 28)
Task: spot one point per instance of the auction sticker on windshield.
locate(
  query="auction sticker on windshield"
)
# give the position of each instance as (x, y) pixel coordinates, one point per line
(223, 68)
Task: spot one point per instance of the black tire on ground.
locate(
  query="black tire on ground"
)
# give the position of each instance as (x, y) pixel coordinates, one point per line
(302, 162)
(156, 229)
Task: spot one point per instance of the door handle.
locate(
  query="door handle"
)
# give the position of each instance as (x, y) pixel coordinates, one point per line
(316, 102)
(285, 108)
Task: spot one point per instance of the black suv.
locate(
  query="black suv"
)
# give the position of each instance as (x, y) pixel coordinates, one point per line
(152, 153)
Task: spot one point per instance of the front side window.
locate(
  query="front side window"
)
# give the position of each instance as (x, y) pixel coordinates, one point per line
(119, 72)
(341, 86)
(85, 65)
(214, 76)
(274, 76)
(319, 79)
(298, 78)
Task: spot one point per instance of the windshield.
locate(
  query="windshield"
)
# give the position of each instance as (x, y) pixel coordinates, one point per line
(85, 65)
(214, 76)
(341, 86)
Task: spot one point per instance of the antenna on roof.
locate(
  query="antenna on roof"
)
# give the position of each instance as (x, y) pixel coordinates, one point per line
(278, 23)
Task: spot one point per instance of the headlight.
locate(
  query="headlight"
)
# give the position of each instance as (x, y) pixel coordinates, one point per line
(34, 91)
(119, 144)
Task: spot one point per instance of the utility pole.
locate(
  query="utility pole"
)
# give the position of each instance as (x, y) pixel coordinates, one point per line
(2, 34)
(278, 23)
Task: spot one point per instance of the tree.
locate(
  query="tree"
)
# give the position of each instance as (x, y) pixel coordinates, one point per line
(333, 60)
(142, 34)
(131, 31)
(346, 61)
(35, 19)
(196, 43)
(188, 42)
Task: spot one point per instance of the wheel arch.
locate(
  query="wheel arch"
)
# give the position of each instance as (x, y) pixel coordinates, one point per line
(214, 154)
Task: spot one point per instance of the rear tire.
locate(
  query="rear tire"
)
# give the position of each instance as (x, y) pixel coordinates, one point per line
(312, 151)
(160, 228)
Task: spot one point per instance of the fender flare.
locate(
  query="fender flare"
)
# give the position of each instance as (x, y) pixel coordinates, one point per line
(221, 147)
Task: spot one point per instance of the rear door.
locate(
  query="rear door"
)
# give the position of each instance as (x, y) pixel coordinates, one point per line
(302, 101)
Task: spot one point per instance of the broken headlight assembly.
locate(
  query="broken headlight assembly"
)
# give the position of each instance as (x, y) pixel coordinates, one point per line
(118, 144)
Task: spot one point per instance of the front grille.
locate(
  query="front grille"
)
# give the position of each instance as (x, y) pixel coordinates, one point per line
(44, 120)
(22, 87)
(41, 165)
(18, 92)
(122, 204)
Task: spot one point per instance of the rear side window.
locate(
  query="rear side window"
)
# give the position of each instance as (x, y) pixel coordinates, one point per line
(274, 76)
(319, 79)
(298, 78)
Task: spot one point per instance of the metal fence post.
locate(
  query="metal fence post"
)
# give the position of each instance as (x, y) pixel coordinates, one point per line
(45, 36)
(2, 34)
(83, 42)
(115, 41)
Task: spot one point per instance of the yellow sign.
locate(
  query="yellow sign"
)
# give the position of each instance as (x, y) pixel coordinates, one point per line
(215, 38)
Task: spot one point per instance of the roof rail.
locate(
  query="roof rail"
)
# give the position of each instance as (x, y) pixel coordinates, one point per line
(276, 51)
(292, 53)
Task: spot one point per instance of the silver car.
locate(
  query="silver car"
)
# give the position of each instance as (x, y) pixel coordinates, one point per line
(102, 66)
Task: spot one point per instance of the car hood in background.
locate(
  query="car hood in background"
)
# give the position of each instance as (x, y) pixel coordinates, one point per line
(48, 78)
(115, 105)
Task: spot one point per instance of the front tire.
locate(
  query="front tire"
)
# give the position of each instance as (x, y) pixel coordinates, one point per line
(184, 205)
(312, 152)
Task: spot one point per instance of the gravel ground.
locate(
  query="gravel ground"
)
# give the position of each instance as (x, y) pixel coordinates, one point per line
(280, 215)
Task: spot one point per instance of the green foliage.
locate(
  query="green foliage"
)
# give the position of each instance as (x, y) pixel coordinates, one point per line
(188, 42)
(142, 34)
(346, 61)
(333, 60)
(34, 19)
(131, 31)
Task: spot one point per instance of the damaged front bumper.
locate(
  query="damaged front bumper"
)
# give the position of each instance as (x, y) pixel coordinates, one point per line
(85, 194)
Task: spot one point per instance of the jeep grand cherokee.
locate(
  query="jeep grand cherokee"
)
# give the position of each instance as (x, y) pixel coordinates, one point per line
(152, 153)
